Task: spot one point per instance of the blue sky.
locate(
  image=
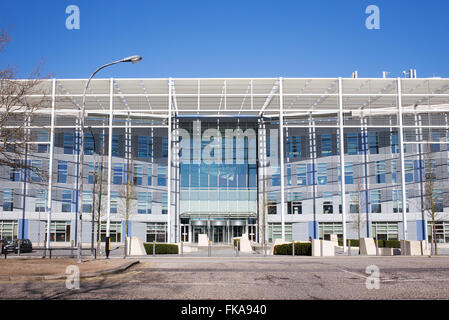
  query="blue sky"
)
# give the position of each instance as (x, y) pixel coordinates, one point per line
(229, 38)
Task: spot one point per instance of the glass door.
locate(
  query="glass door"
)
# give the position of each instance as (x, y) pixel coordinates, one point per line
(198, 230)
(219, 234)
(185, 233)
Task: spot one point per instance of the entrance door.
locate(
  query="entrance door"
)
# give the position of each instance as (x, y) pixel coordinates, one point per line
(237, 231)
(198, 230)
(219, 234)
(184, 233)
(252, 233)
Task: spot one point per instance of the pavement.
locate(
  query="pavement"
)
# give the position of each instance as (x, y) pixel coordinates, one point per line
(256, 277)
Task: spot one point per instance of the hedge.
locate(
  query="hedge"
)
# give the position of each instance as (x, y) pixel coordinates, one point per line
(389, 243)
(301, 249)
(161, 248)
(353, 242)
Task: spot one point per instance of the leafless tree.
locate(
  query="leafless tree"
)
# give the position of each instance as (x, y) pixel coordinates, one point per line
(358, 218)
(431, 197)
(20, 102)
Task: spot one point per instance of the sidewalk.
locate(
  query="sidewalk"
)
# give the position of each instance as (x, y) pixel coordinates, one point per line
(52, 269)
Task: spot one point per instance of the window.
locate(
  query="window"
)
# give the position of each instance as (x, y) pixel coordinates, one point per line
(375, 201)
(15, 173)
(89, 144)
(144, 202)
(8, 229)
(138, 175)
(289, 175)
(157, 231)
(59, 231)
(441, 231)
(380, 171)
(397, 200)
(293, 147)
(408, 164)
(301, 175)
(164, 147)
(115, 145)
(354, 202)
(145, 147)
(162, 175)
(92, 171)
(275, 176)
(66, 201)
(275, 231)
(429, 169)
(325, 229)
(349, 173)
(115, 231)
(114, 201)
(326, 145)
(68, 142)
(42, 136)
(36, 171)
(373, 143)
(385, 230)
(118, 169)
(62, 171)
(435, 147)
(8, 199)
(394, 175)
(164, 203)
(40, 204)
(271, 202)
(438, 200)
(322, 173)
(353, 143)
(294, 203)
(87, 201)
(328, 207)
(394, 142)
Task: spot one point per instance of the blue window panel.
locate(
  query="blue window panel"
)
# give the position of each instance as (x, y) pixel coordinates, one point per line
(222, 178)
(62, 171)
(145, 147)
(213, 175)
(349, 173)
(66, 201)
(394, 142)
(117, 173)
(293, 147)
(242, 175)
(161, 175)
(289, 175)
(408, 170)
(435, 147)
(42, 136)
(301, 174)
(115, 145)
(89, 144)
(380, 171)
(204, 175)
(232, 175)
(185, 175)
(164, 203)
(352, 143)
(252, 176)
(275, 176)
(322, 173)
(8, 200)
(68, 142)
(164, 147)
(326, 145)
(114, 201)
(373, 142)
(37, 169)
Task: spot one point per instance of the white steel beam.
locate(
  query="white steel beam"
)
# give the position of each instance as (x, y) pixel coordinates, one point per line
(111, 104)
(401, 149)
(50, 164)
(281, 144)
(342, 161)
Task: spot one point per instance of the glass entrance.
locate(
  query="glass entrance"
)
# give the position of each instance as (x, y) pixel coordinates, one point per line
(237, 231)
(219, 234)
(198, 230)
(184, 233)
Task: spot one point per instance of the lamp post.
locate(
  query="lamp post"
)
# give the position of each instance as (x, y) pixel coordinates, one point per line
(133, 59)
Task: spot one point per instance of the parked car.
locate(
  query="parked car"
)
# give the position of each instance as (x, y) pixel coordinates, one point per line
(25, 246)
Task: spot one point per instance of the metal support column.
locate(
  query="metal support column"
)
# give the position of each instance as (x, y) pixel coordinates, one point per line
(342, 160)
(401, 149)
(169, 162)
(111, 103)
(50, 164)
(281, 156)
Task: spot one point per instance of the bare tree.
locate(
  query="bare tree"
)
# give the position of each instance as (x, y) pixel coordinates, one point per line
(359, 218)
(432, 198)
(20, 102)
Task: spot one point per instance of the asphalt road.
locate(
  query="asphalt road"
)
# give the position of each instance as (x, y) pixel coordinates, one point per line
(256, 278)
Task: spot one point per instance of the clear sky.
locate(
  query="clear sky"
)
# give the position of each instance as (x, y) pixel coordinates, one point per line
(229, 38)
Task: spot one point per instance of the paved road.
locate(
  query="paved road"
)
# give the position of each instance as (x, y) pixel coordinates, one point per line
(255, 278)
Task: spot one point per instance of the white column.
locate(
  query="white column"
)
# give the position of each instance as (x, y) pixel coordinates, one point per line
(281, 144)
(169, 163)
(401, 149)
(50, 164)
(111, 102)
(342, 161)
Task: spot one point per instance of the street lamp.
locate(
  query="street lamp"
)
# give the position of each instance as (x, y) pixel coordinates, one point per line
(132, 59)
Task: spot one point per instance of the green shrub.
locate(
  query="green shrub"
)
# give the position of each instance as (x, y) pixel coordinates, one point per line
(301, 249)
(389, 243)
(353, 242)
(161, 248)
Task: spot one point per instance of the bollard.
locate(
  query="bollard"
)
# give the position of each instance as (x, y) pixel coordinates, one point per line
(209, 249)
(349, 247)
(293, 248)
(377, 247)
(154, 248)
(182, 248)
(265, 248)
(18, 247)
(321, 247)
